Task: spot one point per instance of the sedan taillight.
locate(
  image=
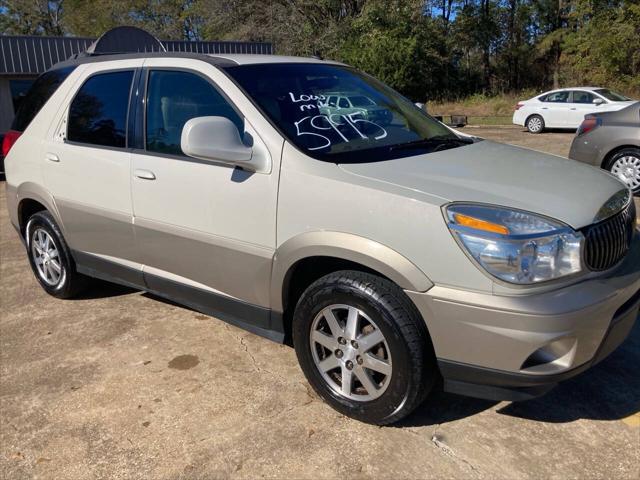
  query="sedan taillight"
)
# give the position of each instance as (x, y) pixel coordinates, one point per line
(519, 105)
(9, 139)
(588, 124)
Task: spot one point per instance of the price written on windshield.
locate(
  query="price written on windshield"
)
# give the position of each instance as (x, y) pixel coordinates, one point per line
(343, 127)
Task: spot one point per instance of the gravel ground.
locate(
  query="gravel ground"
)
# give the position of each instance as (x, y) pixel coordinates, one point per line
(120, 384)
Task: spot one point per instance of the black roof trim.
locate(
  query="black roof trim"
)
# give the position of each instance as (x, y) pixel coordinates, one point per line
(84, 58)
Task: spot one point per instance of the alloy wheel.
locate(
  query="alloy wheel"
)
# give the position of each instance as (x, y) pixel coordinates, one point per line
(47, 258)
(534, 124)
(350, 352)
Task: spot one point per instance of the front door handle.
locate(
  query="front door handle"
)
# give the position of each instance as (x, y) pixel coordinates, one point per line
(573, 108)
(144, 174)
(52, 157)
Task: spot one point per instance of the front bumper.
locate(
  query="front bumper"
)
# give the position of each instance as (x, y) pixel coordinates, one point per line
(518, 347)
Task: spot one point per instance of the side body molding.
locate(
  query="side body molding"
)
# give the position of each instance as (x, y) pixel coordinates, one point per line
(349, 247)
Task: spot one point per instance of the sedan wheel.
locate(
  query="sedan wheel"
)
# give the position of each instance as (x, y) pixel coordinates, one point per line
(627, 168)
(535, 124)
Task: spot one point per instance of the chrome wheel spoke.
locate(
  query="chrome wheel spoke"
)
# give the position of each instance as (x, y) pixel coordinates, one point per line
(376, 364)
(366, 381)
(329, 363)
(347, 382)
(370, 340)
(351, 329)
(324, 340)
(56, 266)
(336, 330)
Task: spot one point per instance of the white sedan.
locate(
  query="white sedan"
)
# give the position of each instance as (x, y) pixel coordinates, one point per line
(566, 108)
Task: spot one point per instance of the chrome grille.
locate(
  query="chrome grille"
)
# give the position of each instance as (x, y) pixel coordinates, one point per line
(607, 242)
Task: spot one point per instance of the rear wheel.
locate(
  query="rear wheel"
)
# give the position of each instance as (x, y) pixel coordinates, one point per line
(50, 257)
(625, 164)
(535, 124)
(363, 347)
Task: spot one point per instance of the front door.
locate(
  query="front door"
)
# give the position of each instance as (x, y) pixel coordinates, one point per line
(200, 224)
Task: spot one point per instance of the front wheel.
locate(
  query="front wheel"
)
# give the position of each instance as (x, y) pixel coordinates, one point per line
(625, 165)
(535, 124)
(363, 347)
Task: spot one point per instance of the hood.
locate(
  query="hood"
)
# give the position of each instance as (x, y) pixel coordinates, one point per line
(505, 175)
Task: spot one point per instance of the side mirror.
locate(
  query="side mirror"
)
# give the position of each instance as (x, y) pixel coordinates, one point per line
(598, 101)
(215, 139)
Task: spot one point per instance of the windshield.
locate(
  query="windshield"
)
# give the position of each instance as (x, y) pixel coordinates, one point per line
(611, 95)
(339, 114)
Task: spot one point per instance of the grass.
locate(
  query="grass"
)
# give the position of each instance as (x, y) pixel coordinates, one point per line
(480, 105)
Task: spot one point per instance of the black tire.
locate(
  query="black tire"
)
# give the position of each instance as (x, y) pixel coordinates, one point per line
(625, 152)
(413, 360)
(535, 124)
(70, 283)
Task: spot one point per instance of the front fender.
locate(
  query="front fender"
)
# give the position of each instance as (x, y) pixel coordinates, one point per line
(346, 246)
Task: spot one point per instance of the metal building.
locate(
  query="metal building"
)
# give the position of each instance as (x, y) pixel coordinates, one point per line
(23, 58)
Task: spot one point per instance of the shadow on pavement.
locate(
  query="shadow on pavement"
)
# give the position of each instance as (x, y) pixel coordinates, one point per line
(103, 289)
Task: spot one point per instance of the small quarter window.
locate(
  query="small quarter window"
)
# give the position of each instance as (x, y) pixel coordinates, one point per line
(98, 113)
(37, 96)
(173, 98)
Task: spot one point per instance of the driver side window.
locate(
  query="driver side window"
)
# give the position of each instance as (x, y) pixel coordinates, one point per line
(175, 97)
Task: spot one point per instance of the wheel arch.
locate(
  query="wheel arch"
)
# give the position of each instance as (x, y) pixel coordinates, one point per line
(607, 157)
(32, 198)
(312, 255)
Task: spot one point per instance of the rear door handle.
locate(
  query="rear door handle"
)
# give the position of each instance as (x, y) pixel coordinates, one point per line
(144, 174)
(52, 157)
(573, 108)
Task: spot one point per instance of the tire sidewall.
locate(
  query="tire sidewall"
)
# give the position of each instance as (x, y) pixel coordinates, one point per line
(44, 221)
(399, 388)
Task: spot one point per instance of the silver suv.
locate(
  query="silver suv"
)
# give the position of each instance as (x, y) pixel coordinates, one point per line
(392, 254)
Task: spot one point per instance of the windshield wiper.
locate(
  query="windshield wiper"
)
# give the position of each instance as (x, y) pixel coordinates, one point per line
(432, 141)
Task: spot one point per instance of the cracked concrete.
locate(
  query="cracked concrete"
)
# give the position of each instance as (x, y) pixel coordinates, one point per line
(88, 390)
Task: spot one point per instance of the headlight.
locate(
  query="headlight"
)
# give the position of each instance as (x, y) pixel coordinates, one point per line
(515, 246)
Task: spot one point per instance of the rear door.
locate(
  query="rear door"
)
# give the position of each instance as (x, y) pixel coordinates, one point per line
(87, 166)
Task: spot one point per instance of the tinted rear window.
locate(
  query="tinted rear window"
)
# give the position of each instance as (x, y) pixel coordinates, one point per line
(37, 96)
(98, 113)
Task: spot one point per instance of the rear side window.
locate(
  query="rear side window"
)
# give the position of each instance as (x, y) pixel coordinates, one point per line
(580, 96)
(37, 96)
(98, 113)
(557, 97)
(173, 98)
